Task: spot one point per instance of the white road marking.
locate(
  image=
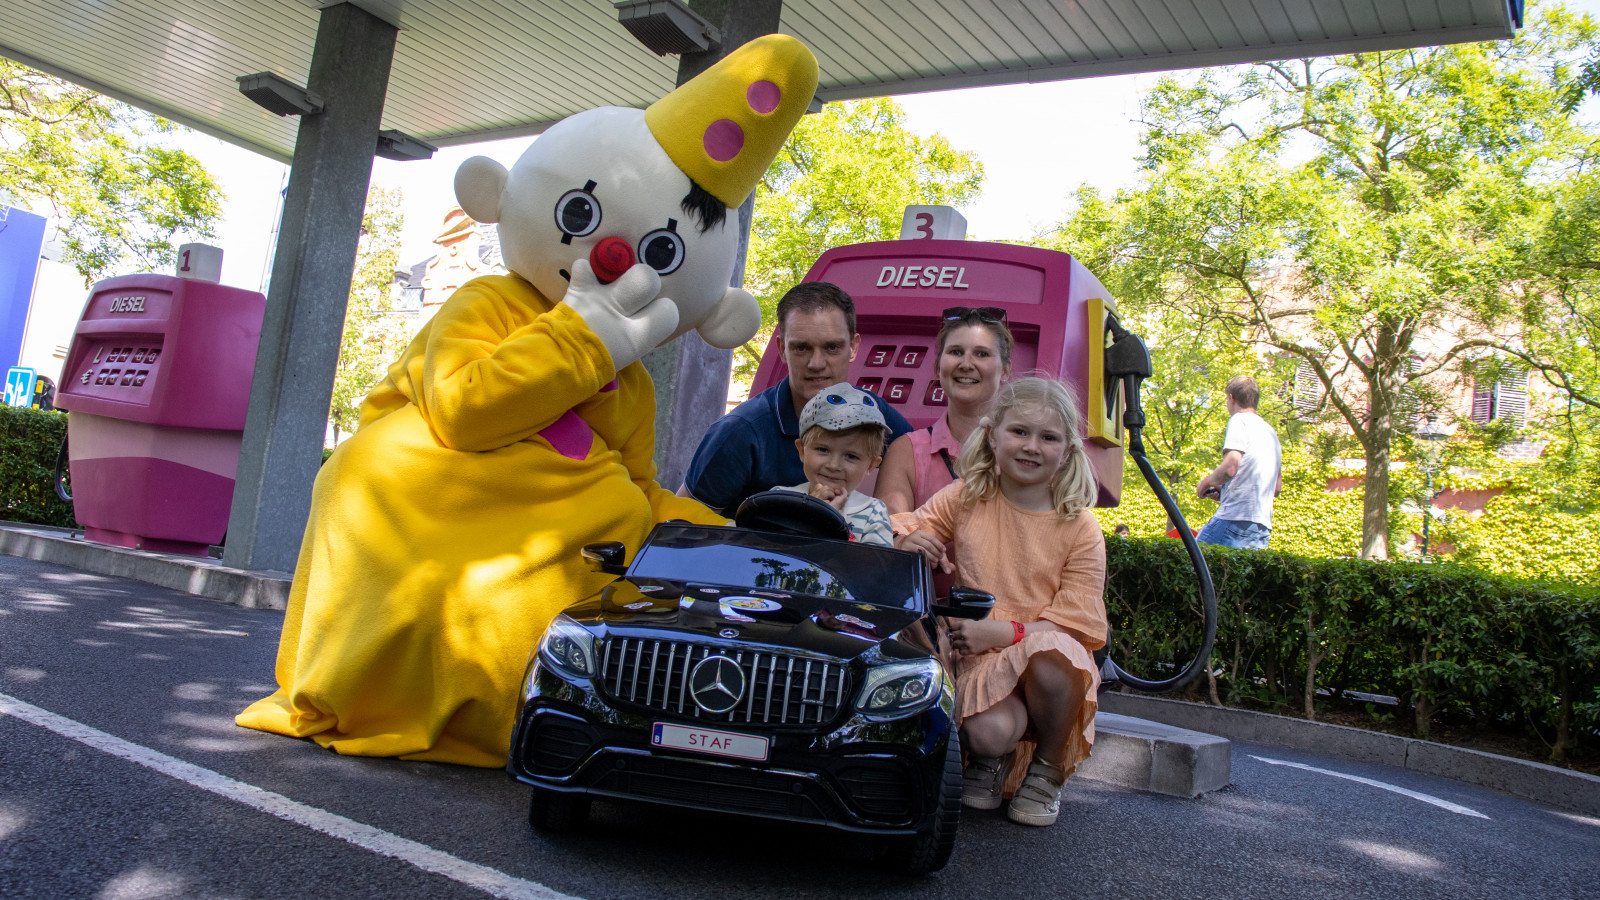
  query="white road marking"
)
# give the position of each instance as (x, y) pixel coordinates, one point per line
(490, 881)
(1415, 795)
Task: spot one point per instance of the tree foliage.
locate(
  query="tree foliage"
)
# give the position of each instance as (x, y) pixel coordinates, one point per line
(845, 176)
(373, 335)
(1370, 218)
(124, 200)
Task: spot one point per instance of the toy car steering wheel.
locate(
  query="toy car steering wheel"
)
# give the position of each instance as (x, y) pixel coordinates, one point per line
(790, 512)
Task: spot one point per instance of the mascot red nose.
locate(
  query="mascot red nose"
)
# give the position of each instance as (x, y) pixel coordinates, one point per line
(518, 426)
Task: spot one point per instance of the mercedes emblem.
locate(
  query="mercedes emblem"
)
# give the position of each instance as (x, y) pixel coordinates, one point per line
(716, 684)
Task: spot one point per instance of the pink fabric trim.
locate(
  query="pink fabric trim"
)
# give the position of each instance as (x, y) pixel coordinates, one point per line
(570, 435)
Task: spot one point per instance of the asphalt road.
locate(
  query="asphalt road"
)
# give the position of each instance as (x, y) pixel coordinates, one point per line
(122, 775)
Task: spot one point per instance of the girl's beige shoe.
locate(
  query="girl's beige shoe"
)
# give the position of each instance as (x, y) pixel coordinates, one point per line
(982, 780)
(1038, 800)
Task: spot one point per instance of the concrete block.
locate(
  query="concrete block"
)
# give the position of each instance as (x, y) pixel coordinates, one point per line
(1150, 756)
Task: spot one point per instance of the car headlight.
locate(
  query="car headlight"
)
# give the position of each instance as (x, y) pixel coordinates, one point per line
(569, 647)
(899, 689)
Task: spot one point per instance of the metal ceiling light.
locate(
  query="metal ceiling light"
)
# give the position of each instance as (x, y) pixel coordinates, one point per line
(277, 94)
(667, 26)
(403, 147)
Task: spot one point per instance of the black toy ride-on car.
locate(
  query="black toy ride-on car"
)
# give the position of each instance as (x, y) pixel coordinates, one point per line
(771, 669)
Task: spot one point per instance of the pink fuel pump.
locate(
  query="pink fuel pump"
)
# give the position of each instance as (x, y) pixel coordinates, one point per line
(1064, 323)
(1056, 309)
(156, 383)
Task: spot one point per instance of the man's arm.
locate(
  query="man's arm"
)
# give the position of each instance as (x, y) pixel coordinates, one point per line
(1222, 474)
(721, 465)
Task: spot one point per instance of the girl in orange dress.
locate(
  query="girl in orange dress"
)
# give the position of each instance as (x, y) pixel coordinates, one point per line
(1022, 530)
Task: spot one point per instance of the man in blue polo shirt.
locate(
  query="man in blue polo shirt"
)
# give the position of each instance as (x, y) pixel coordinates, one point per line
(751, 449)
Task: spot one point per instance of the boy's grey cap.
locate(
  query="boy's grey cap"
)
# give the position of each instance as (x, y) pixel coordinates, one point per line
(840, 407)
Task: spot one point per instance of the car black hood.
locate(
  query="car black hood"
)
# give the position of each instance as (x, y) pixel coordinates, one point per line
(842, 629)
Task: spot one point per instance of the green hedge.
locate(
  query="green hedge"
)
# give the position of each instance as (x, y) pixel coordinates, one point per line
(1447, 640)
(29, 442)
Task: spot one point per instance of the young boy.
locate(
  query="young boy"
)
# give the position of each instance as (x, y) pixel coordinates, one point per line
(841, 440)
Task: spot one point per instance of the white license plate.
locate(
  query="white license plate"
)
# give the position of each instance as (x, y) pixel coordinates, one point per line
(707, 740)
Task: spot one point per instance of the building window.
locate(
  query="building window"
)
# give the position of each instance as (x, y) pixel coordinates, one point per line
(1505, 398)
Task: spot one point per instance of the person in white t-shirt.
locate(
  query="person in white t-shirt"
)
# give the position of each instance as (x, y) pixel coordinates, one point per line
(1249, 476)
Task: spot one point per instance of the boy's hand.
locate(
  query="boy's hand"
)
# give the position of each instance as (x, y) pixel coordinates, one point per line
(971, 638)
(928, 545)
(830, 495)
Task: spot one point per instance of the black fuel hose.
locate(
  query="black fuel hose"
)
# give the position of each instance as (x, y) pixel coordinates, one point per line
(1128, 360)
(59, 482)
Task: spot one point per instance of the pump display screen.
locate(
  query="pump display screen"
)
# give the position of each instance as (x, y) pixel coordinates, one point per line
(121, 369)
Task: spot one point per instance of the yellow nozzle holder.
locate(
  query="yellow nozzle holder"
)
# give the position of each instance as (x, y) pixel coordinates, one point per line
(725, 126)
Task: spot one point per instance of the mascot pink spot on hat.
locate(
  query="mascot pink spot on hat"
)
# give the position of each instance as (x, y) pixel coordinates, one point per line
(763, 96)
(724, 140)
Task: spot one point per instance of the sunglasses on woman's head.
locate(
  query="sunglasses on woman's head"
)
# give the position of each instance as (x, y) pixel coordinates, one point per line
(991, 314)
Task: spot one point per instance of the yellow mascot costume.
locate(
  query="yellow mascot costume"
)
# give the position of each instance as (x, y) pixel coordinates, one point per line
(518, 426)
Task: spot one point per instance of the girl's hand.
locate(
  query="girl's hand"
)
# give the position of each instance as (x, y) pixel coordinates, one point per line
(830, 495)
(971, 638)
(928, 545)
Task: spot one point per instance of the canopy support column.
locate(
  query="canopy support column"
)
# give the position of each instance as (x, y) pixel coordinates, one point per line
(691, 376)
(311, 271)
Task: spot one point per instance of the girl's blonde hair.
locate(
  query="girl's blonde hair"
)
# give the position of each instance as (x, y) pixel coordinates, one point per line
(1073, 487)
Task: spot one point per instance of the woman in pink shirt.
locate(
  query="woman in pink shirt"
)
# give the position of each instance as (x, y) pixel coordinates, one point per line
(974, 348)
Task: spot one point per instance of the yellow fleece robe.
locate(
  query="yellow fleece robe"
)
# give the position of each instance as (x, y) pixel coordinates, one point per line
(444, 534)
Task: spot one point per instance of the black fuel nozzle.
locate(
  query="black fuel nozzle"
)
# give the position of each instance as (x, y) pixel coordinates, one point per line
(1128, 359)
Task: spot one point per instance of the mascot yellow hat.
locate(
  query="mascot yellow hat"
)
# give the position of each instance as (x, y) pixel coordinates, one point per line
(725, 126)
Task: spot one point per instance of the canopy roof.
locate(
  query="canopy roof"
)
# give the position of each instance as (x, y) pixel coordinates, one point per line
(473, 71)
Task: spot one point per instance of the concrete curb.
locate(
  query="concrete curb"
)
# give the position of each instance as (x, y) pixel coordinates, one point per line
(191, 575)
(1575, 791)
(1150, 756)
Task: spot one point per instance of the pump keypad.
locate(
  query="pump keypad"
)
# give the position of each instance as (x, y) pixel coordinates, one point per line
(900, 390)
(119, 369)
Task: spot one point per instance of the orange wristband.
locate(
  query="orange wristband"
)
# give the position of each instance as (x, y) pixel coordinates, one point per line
(1021, 632)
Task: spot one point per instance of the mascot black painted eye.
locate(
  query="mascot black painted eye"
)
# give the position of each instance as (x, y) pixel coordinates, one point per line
(662, 250)
(578, 212)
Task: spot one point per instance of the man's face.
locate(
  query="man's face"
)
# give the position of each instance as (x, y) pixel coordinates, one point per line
(818, 348)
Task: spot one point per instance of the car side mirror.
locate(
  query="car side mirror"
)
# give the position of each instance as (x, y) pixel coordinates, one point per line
(608, 557)
(965, 603)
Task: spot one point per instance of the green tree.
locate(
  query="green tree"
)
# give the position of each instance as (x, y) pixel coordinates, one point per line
(1367, 217)
(374, 336)
(123, 199)
(845, 176)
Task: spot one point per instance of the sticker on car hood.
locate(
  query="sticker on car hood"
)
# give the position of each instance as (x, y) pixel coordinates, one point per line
(751, 604)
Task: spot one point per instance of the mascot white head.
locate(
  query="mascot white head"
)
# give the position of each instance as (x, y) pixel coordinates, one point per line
(629, 216)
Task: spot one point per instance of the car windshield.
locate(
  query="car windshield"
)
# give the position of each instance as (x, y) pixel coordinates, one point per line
(778, 562)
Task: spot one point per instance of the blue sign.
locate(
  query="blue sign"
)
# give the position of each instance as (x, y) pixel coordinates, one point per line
(21, 238)
(19, 386)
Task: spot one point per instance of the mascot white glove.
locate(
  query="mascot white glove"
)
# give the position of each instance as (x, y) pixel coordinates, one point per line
(626, 315)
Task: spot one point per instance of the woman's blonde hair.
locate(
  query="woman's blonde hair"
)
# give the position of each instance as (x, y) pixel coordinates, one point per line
(1073, 487)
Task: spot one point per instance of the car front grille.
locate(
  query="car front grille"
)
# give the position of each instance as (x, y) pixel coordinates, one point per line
(722, 788)
(779, 689)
